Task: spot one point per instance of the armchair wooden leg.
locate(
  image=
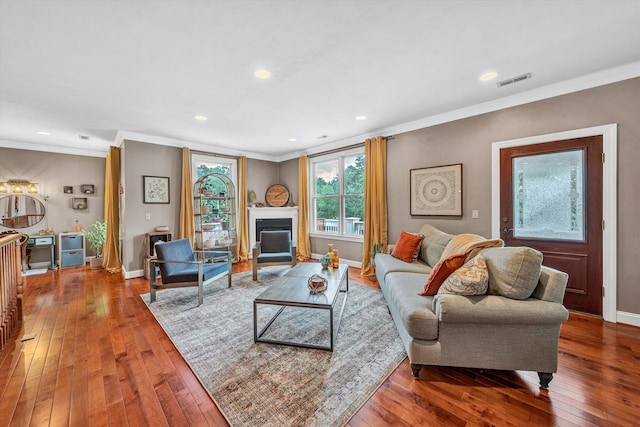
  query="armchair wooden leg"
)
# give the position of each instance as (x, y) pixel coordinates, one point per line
(415, 370)
(152, 293)
(545, 379)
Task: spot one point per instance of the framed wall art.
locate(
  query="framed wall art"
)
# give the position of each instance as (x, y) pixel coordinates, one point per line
(436, 190)
(155, 189)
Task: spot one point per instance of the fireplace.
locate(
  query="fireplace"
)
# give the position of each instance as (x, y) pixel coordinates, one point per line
(285, 218)
(266, 224)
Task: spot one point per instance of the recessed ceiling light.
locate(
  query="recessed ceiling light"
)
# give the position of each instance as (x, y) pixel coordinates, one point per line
(488, 76)
(262, 74)
(41, 132)
(292, 140)
(201, 118)
(361, 117)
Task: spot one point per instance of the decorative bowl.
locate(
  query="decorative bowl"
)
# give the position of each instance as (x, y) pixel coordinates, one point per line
(317, 284)
(207, 227)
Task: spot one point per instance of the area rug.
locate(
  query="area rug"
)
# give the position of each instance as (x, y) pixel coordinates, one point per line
(275, 385)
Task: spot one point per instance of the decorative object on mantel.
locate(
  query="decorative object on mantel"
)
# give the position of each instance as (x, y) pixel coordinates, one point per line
(317, 284)
(88, 188)
(277, 195)
(260, 205)
(291, 204)
(436, 190)
(67, 189)
(251, 197)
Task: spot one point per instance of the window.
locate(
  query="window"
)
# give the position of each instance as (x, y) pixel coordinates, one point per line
(338, 193)
(202, 165)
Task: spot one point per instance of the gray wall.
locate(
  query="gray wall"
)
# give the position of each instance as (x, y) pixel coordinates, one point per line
(139, 159)
(53, 171)
(261, 174)
(469, 141)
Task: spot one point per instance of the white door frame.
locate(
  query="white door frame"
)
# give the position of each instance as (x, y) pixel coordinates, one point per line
(609, 200)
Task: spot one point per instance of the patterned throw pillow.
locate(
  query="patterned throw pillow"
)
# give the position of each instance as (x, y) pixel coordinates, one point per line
(440, 272)
(407, 246)
(470, 279)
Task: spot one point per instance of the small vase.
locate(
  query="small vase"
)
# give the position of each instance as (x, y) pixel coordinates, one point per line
(77, 227)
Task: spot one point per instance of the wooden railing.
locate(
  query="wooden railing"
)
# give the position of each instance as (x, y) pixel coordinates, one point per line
(10, 287)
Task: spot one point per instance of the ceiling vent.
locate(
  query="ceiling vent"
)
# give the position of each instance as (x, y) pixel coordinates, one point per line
(83, 137)
(514, 80)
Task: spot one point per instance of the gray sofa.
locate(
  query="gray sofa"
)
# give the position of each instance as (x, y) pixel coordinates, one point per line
(492, 331)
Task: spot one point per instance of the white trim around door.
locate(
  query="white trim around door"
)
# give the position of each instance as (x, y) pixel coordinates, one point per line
(609, 200)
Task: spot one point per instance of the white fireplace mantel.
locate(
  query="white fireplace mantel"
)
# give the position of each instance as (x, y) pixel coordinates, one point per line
(261, 213)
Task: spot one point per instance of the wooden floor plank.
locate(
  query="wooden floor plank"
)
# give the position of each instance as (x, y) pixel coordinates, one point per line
(101, 359)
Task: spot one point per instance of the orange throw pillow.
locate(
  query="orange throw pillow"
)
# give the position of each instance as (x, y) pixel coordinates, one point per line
(406, 246)
(440, 272)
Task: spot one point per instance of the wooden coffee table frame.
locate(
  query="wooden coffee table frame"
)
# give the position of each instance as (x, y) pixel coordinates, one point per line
(291, 291)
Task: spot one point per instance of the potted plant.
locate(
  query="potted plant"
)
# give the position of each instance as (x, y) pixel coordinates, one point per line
(325, 261)
(377, 248)
(96, 238)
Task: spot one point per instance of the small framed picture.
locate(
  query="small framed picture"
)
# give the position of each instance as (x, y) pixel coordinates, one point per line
(436, 191)
(155, 189)
(68, 189)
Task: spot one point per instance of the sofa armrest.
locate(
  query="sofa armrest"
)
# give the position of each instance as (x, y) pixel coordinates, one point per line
(493, 309)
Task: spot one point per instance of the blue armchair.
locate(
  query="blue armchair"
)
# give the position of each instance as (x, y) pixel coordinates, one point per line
(274, 248)
(180, 268)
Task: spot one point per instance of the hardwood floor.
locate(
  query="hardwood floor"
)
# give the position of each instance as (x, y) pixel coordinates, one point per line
(100, 358)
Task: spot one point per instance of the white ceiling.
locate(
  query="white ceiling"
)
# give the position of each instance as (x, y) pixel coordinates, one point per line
(144, 68)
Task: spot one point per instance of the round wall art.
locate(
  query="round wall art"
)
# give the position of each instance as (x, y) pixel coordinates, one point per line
(437, 190)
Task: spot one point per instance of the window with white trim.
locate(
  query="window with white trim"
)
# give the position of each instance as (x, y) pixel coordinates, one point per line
(204, 164)
(337, 193)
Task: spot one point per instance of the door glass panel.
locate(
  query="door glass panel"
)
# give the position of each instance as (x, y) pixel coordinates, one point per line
(548, 196)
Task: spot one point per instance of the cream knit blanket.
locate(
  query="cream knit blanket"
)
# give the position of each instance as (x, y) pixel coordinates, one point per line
(469, 244)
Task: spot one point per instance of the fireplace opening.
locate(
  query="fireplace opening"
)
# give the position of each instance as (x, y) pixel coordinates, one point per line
(268, 224)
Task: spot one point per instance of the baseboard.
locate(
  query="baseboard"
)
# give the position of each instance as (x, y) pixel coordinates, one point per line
(628, 318)
(133, 273)
(349, 262)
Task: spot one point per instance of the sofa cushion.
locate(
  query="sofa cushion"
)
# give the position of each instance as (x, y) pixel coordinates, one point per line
(386, 264)
(415, 311)
(433, 244)
(440, 272)
(407, 246)
(469, 244)
(513, 271)
(470, 279)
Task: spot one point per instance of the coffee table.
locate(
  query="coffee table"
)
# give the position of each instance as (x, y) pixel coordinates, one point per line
(291, 291)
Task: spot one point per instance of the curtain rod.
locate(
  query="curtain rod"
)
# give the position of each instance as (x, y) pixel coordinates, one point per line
(348, 147)
(208, 153)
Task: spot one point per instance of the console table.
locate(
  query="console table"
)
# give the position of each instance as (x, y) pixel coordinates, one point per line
(43, 241)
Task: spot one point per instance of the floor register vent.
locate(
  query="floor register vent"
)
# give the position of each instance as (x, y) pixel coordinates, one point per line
(514, 80)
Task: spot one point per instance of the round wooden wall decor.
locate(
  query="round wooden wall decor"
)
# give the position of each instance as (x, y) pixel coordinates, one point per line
(277, 195)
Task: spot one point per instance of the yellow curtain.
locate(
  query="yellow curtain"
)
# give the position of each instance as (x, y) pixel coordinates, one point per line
(186, 198)
(243, 238)
(303, 250)
(375, 199)
(111, 261)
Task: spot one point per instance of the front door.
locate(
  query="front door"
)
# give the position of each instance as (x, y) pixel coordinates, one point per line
(551, 200)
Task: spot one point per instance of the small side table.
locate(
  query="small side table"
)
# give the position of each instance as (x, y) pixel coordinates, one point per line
(43, 241)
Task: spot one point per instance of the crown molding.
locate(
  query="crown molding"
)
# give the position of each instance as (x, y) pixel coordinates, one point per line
(33, 146)
(121, 136)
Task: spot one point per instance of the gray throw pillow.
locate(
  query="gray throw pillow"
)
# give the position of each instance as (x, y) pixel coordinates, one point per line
(513, 271)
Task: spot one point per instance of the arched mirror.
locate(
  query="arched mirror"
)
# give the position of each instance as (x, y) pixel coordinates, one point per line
(21, 210)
